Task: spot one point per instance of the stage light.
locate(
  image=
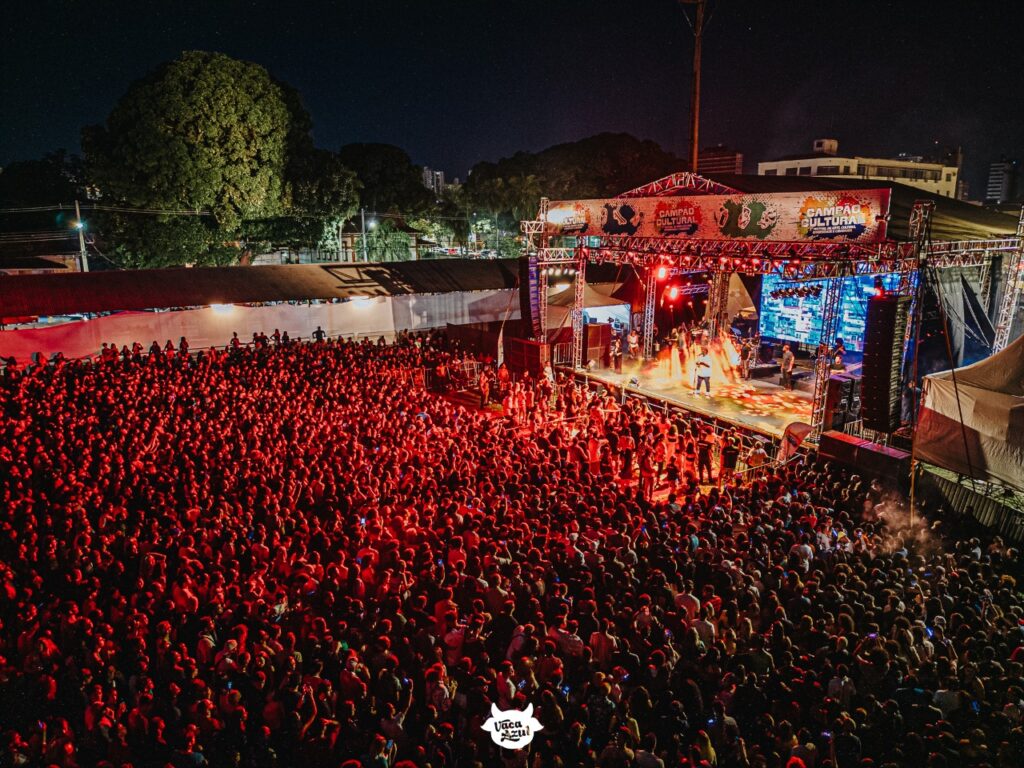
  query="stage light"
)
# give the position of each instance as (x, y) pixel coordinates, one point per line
(673, 293)
(879, 286)
(662, 273)
(223, 309)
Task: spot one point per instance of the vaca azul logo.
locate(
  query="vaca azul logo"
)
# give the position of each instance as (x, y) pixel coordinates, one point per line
(512, 729)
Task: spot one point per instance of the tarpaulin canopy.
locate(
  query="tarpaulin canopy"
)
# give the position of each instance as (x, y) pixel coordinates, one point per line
(988, 444)
(594, 295)
(201, 286)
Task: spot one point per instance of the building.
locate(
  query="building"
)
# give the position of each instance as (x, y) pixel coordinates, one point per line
(1003, 182)
(433, 180)
(939, 178)
(719, 159)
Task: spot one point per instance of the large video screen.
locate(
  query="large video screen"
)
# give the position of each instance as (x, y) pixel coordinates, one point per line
(798, 318)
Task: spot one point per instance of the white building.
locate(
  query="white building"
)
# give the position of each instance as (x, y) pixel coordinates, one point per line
(937, 178)
(1002, 181)
(434, 180)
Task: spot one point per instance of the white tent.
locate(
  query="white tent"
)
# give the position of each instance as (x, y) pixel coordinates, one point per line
(989, 400)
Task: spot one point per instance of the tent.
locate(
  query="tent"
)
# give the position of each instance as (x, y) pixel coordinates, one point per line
(596, 297)
(988, 397)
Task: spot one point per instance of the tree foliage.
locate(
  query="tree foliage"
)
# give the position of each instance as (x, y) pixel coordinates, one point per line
(56, 178)
(390, 181)
(210, 133)
(600, 166)
(205, 132)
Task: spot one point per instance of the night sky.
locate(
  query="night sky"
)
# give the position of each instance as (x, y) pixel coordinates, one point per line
(457, 82)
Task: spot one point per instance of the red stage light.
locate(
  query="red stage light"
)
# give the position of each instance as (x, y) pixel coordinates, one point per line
(673, 293)
(662, 273)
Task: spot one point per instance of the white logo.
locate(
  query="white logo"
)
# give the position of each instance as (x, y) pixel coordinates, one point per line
(512, 729)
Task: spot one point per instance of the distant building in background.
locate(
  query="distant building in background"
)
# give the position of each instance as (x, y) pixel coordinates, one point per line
(433, 180)
(1003, 182)
(939, 178)
(719, 159)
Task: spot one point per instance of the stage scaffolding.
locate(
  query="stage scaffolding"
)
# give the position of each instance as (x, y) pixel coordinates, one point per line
(795, 261)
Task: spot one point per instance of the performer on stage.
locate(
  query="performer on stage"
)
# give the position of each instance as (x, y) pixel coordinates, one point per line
(681, 351)
(634, 344)
(703, 371)
(617, 354)
(788, 361)
(746, 354)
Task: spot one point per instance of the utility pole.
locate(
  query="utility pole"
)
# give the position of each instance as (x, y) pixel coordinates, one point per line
(362, 217)
(83, 257)
(698, 37)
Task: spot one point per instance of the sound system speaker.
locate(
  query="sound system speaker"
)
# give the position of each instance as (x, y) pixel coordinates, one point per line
(529, 294)
(837, 400)
(526, 355)
(883, 355)
(870, 458)
(597, 341)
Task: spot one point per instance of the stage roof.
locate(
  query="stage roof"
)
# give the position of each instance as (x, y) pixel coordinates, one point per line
(952, 219)
(23, 295)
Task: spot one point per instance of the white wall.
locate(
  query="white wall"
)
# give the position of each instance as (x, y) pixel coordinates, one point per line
(212, 327)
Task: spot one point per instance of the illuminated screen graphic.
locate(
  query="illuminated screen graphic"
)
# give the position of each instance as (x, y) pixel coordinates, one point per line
(798, 318)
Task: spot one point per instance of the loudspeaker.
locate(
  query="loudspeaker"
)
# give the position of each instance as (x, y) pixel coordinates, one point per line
(837, 400)
(529, 295)
(870, 458)
(597, 343)
(883, 355)
(527, 355)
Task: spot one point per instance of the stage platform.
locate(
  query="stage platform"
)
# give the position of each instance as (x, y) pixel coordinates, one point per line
(759, 405)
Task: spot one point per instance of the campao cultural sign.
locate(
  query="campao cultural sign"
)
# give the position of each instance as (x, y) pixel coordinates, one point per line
(846, 215)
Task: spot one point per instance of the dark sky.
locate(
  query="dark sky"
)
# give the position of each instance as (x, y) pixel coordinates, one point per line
(456, 82)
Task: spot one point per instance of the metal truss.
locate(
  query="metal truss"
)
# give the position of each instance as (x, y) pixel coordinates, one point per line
(1012, 291)
(643, 250)
(650, 288)
(680, 184)
(718, 301)
(579, 301)
(920, 236)
(829, 325)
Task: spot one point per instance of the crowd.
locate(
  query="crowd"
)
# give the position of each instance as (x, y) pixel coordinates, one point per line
(291, 555)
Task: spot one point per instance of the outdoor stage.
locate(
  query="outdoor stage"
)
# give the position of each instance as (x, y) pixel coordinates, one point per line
(759, 405)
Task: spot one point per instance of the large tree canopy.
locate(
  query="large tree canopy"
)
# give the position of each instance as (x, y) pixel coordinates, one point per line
(203, 132)
(599, 166)
(390, 181)
(211, 134)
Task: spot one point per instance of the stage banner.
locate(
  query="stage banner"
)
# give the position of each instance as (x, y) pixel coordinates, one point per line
(839, 215)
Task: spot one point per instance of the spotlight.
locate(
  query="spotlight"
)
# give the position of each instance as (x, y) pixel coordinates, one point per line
(673, 293)
(662, 273)
(879, 286)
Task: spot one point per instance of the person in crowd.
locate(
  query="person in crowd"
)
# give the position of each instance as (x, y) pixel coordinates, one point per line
(291, 556)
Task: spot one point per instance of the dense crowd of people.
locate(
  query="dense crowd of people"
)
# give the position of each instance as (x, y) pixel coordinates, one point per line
(288, 554)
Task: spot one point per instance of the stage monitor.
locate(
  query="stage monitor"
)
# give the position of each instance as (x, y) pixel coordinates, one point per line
(791, 311)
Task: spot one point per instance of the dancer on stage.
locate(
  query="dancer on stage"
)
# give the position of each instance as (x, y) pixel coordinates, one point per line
(703, 371)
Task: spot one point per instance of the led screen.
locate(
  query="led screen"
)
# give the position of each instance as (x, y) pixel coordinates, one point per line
(798, 318)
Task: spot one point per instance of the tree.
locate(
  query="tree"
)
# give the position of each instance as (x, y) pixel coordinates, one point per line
(206, 133)
(390, 181)
(56, 178)
(321, 195)
(600, 166)
(387, 242)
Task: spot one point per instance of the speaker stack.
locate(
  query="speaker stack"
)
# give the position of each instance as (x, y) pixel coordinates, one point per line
(842, 400)
(883, 356)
